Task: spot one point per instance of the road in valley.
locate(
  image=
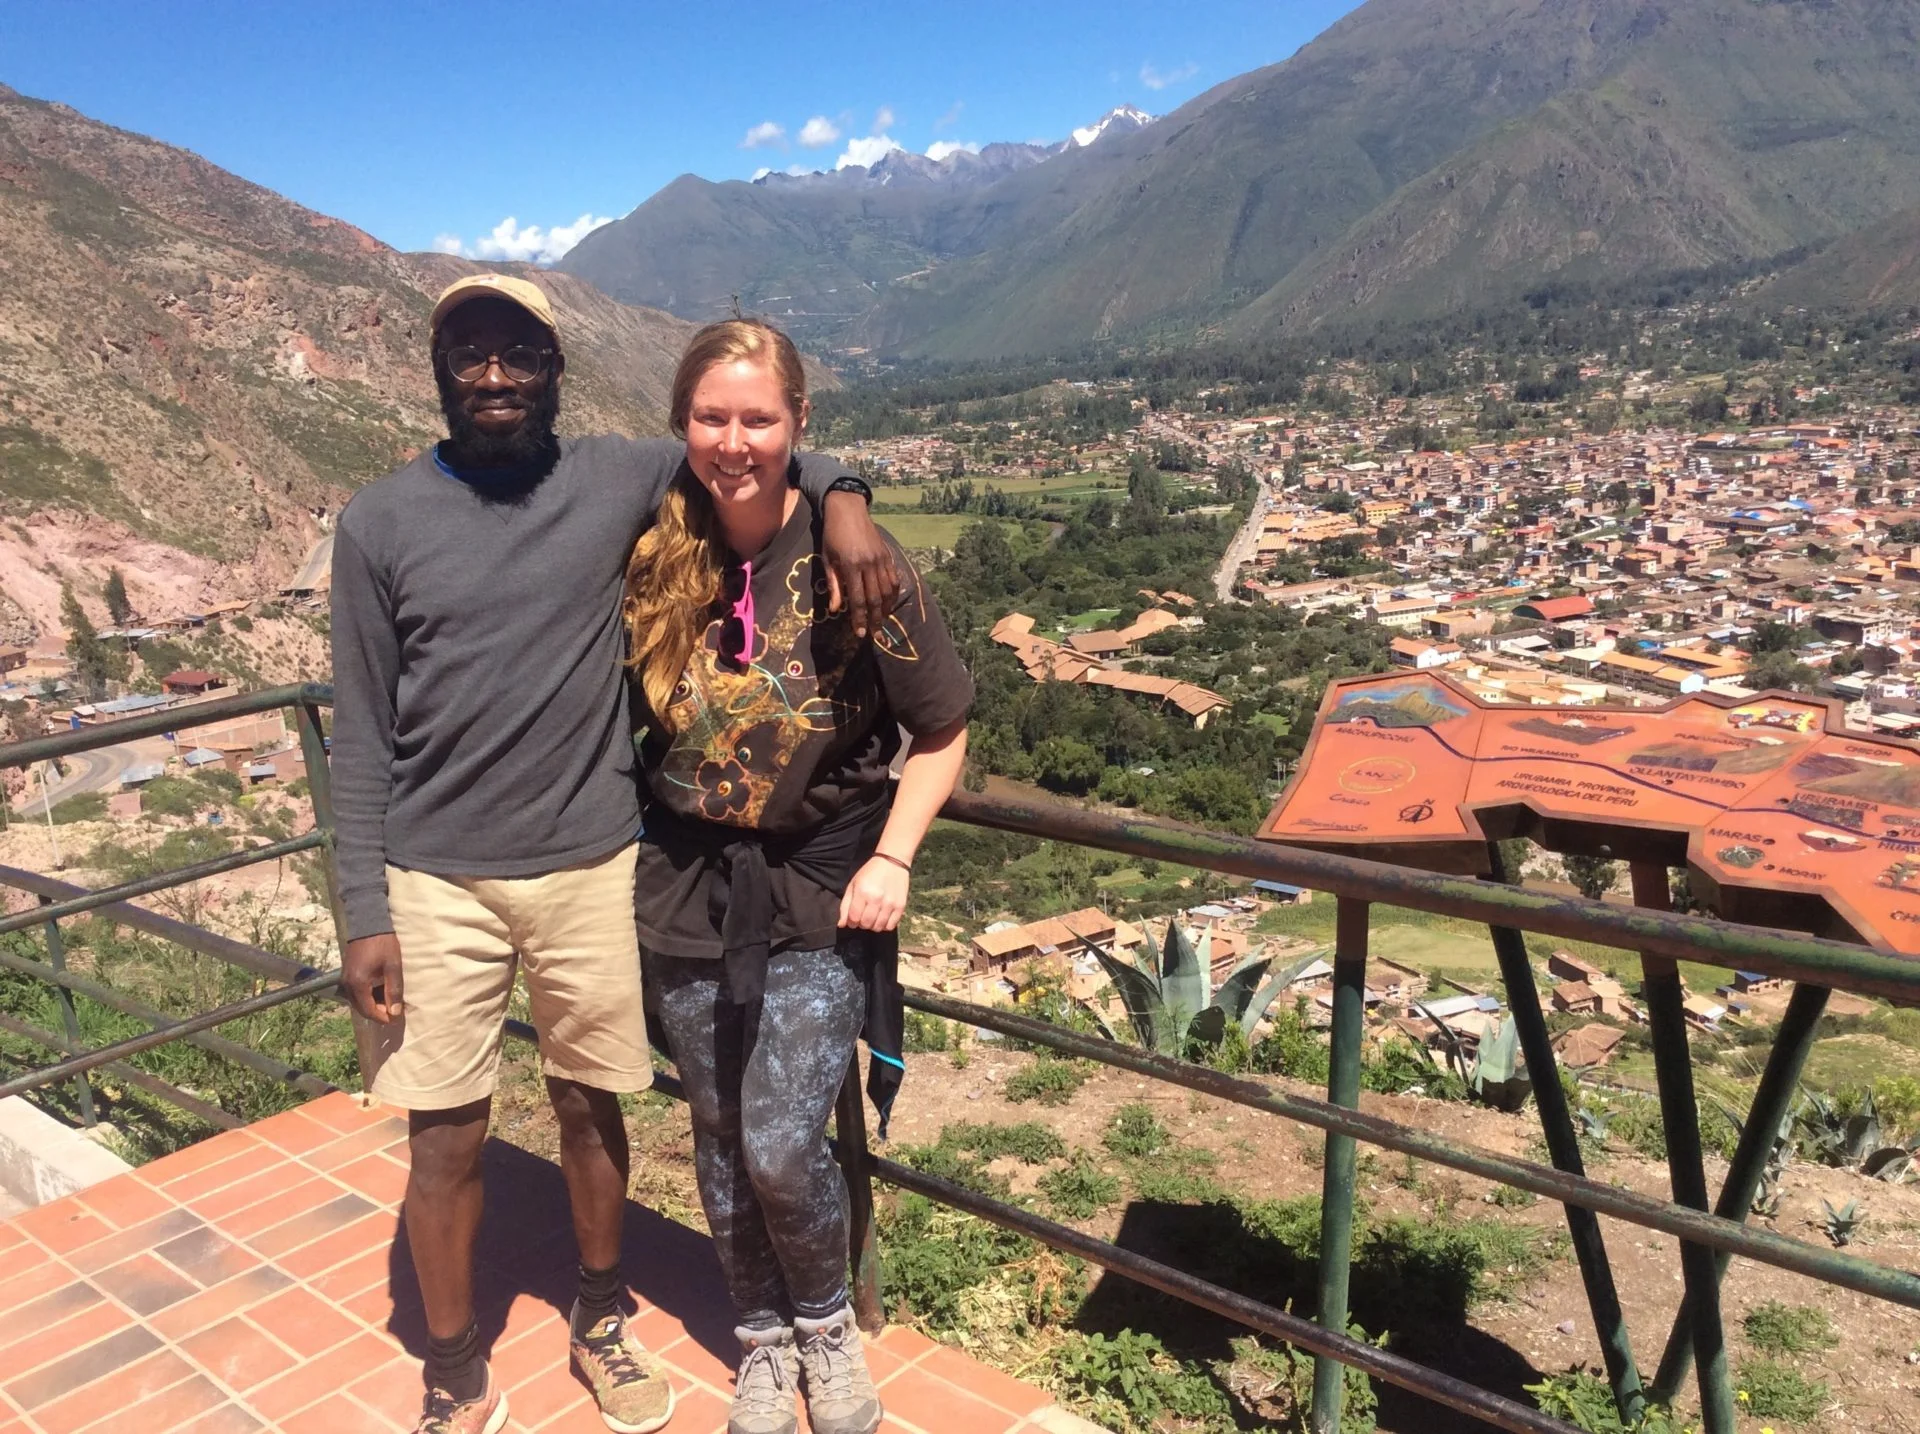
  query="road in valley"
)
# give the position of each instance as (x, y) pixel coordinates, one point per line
(1242, 549)
(98, 770)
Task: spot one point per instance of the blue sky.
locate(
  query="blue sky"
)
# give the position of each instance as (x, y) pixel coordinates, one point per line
(434, 122)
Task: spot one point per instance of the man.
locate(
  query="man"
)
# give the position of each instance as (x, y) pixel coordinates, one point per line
(485, 796)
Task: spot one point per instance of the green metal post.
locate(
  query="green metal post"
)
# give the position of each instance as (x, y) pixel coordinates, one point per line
(1792, 1044)
(1336, 1196)
(313, 749)
(1673, 1068)
(1563, 1146)
(57, 958)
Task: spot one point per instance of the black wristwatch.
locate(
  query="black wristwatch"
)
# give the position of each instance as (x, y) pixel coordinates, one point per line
(847, 483)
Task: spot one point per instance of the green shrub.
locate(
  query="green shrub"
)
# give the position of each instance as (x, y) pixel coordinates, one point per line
(1775, 1328)
(1291, 1048)
(1586, 1401)
(1129, 1377)
(1771, 1390)
(1637, 1121)
(930, 1256)
(86, 807)
(179, 848)
(1399, 1066)
(923, 1033)
(1080, 1189)
(190, 795)
(1048, 1081)
(1897, 1098)
(1135, 1131)
(1029, 1141)
(1289, 1372)
(962, 1167)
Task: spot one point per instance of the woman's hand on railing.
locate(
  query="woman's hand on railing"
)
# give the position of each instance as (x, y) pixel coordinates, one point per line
(370, 974)
(876, 897)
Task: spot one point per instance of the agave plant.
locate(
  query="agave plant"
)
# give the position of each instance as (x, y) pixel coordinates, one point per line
(1856, 1141)
(1174, 1004)
(1766, 1200)
(1841, 1224)
(1494, 1074)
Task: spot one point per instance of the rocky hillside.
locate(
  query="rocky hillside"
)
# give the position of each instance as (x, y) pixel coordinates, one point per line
(195, 372)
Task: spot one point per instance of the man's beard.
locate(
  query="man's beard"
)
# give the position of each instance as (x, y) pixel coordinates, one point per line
(531, 446)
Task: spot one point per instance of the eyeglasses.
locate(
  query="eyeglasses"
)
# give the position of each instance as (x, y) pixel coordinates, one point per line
(522, 363)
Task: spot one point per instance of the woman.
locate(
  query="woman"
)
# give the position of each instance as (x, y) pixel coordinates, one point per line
(774, 857)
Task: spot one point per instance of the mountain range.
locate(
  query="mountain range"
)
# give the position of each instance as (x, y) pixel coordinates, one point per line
(196, 372)
(1416, 156)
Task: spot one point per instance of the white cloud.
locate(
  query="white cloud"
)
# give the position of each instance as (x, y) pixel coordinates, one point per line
(1155, 79)
(951, 117)
(883, 119)
(530, 244)
(761, 173)
(867, 150)
(941, 148)
(764, 133)
(818, 131)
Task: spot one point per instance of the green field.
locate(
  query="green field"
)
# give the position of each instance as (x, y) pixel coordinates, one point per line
(929, 530)
(1093, 618)
(1070, 485)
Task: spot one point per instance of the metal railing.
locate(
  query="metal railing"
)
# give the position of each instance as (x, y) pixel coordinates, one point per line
(1710, 1231)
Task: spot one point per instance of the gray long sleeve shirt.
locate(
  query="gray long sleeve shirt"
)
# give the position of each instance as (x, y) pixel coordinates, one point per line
(480, 723)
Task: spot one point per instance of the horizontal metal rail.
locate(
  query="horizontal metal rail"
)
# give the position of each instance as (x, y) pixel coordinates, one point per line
(1695, 1226)
(161, 881)
(303, 1081)
(196, 939)
(172, 1031)
(132, 1075)
(158, 724)
(1394, 1369)
(1811, 959)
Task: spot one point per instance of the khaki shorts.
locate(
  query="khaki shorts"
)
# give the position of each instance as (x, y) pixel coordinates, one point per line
(462, 938)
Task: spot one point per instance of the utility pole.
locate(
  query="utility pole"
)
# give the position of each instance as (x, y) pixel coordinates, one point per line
(46, 803)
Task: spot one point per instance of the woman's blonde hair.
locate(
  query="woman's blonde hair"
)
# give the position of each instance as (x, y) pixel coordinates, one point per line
(673, 577)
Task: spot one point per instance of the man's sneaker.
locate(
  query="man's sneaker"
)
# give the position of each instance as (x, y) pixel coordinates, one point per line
(765, 1385)
(629, 1384)
(441, 1413)
(833, 1372)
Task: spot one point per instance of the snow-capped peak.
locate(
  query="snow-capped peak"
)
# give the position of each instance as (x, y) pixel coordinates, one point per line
(1126, 117)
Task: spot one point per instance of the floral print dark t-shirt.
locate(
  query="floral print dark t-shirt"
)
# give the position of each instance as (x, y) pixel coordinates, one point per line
(800, 733)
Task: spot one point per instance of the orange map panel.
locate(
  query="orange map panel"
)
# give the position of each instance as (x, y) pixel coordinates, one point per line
(1783, 818)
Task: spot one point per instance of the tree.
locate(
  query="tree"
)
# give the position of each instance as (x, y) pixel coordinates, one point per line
(982, 563)
(1780, 669)
(95, 661)
(1592, 876)
(1146, 509)
(118, 608)
(1066, 764)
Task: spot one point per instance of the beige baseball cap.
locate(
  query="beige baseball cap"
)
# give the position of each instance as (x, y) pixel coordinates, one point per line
(499, 286)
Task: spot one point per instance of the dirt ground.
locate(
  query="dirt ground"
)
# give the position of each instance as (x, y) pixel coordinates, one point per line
(1543, 1328)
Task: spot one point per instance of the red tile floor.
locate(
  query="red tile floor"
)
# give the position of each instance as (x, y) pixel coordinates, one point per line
(253, 1282)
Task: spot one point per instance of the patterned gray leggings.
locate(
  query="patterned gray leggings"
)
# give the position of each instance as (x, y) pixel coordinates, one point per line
(761, 1081)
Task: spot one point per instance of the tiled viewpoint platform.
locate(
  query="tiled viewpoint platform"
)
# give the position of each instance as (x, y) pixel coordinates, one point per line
(254, 1282)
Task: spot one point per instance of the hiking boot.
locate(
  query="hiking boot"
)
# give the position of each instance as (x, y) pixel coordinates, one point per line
(833, 1373)
(765, 1384)
(628, 1382)
(441, 1413)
